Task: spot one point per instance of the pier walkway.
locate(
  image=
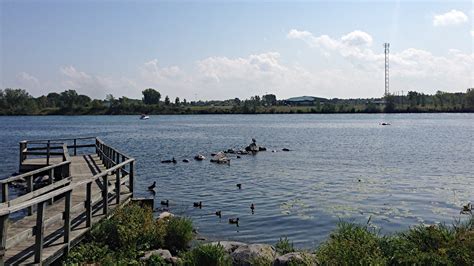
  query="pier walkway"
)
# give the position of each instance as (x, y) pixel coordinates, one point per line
(64, 193)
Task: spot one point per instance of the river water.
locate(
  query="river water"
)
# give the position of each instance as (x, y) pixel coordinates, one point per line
(420, 169)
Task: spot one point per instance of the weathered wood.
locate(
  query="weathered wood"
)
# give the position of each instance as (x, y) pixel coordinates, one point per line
(29, 188)
(48, 150)
(34, 172)
(131, 177)
(75, 147)
(39, 192)
(105, 195)
(67, 221)
(39, 233)
(3, 236)
(89, 205)
(22, 150)
(117, 186)
(4, 192)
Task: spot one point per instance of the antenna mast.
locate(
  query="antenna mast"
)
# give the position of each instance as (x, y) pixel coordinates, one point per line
(387, 51)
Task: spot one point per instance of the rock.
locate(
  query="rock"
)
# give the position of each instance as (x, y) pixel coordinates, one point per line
(220, 158)
(262, 148)
(199, 157)
(164, 215)
(232, 151)
(295, 258)
(242, 152)
(164, 253)
(185, 161)
(244, 255)
(285, 149)
(252, 147)
(229, 246)
(175, 261)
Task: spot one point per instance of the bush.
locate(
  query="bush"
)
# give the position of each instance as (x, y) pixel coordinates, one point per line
(156, 260)
(210, 255)
(284, 246)
(179, 232)
(91, 252)
(352, 244)
(131, 227)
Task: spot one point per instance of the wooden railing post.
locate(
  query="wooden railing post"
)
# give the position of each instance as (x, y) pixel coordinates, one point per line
(4, 192)
(89, 205)
(51, 181)
(3, 237)
(75, 148)
(67, 221)
(117, 186)
(23, 145)
(39, 232)
(131, 177)
(48, 151)
(29, 188)
(105, 195)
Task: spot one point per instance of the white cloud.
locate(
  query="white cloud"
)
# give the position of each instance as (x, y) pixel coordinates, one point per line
(472, 33)
(28, 79)
(410, 68)
(453, 17)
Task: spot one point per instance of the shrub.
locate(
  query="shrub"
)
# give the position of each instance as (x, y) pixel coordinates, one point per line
(179, 232)
(131, 227)
(210, 255)
(284, 246)
(156, 260)
(352, 244)
(91, 252)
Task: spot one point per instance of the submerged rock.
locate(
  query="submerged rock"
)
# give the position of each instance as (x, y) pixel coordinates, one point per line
(244, 255)
(220, 158)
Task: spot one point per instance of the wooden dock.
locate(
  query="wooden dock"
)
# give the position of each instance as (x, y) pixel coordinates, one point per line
(78, 191)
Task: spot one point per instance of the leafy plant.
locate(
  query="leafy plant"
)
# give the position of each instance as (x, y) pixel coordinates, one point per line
(284, 246)
(179, 232)
(210, 255)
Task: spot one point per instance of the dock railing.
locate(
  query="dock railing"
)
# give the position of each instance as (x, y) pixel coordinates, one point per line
(118, 166)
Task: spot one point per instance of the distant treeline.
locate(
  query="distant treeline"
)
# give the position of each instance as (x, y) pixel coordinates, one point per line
(69, 102)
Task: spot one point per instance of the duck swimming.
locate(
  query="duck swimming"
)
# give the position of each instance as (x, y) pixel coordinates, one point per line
(239, 186)
(152, 187)
(234, 220)
(219, 213)
(165, 203)
(466, 209)
(169, 161)
(197, 204)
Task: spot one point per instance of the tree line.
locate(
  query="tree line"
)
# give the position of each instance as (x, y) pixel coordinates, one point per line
(69, 102)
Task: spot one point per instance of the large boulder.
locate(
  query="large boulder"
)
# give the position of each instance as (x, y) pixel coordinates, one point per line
(253, 147)
(164, 253)
(165, 215)
(247, 254)
(295, 258)
(229, 246)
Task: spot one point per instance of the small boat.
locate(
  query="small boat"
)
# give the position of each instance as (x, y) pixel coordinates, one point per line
(144, 117)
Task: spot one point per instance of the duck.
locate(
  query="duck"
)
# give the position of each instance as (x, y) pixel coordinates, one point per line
(234, 220)
(466, 209)
(197, 204)
(169, 161)
(152, 187)
(219, 213)
(185, 161)
(199, 157)
(385, 124)
(252, 207)
(254, 140)
(165, 203)
(239, 186)
(238, 157)
(285, 149)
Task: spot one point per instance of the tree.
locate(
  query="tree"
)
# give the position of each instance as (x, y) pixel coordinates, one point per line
(185, 102)
(167, 100)
(151, 96)
(237, 101)
(470, 98)
(269, 99)
(389, 103)
(176, 101)
(68, 98)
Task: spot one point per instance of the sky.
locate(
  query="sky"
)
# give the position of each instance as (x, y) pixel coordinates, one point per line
(227, 49)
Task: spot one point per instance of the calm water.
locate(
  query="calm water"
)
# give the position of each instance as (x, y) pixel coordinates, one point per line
(419, 169)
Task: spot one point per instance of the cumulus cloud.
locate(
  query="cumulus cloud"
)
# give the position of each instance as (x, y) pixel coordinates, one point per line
(409, 67)
(453, 17)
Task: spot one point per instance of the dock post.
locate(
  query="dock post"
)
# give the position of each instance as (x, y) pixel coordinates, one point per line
(4, 192)
(117, 186)
(3, 236)
(39, 232)
(51, 181)
(29, 188)
(23, 145)
(131, 177)
(89, 205)
(75, 148)
(48, 152)
(105, 195)
(67, 221)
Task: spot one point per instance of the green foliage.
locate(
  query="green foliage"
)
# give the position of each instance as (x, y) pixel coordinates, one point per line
(156, 260)
(211, 255)
(261, 261)
(91, 252)
(284, 246)
(151, 96)
(351, 243)
(179, 232)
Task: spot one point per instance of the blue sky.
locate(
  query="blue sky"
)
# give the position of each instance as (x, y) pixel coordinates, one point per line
(219, 50)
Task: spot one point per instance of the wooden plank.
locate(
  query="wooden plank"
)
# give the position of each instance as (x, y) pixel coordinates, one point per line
(39, 192)
(39, 233)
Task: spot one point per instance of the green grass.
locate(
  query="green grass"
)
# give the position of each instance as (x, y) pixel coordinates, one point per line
(210, 255)
(284, 246)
